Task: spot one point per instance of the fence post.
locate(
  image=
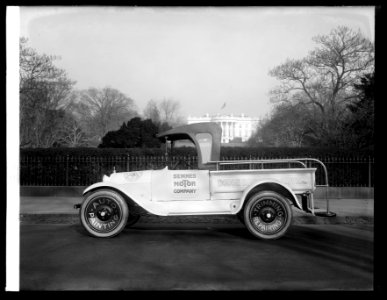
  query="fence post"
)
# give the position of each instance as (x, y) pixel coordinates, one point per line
(67, 170)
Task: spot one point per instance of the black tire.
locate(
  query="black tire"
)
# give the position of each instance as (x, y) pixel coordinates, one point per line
(267, 215)
(104, 213)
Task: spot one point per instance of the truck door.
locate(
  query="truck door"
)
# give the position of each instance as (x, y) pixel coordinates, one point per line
(174, 185)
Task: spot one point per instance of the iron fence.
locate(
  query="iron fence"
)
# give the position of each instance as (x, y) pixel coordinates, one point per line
(85, 170)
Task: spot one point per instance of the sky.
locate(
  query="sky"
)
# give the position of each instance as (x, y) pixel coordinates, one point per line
(201, 57)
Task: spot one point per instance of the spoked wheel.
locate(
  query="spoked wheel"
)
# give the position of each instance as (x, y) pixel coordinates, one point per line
(267, 215)
(104, 213)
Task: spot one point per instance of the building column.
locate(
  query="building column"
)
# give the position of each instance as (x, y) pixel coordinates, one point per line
(228, 131)
(223, 131)
(244, 131)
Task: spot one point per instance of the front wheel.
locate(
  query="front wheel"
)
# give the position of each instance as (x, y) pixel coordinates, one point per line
(104, 213)
(267, 215)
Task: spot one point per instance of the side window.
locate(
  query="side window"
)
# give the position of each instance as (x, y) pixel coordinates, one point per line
(205, 142)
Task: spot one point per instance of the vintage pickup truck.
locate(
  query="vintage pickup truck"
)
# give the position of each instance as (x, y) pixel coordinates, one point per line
(261, 197)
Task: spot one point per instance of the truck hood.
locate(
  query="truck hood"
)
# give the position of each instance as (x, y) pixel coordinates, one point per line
(127, 177)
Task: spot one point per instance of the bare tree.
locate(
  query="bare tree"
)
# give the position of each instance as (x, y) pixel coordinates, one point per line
(152, 112)
(101, 110)
(164, 113)
(324, 80)
(169, 110)
(71, 134)
(43, 87)
(287, 126)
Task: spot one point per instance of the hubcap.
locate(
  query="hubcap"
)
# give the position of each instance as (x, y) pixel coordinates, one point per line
(268, 216)
(103, 214)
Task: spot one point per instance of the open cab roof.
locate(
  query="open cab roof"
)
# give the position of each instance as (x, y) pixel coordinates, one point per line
(206, 138)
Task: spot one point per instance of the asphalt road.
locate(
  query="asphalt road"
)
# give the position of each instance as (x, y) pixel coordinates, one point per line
(196, 257)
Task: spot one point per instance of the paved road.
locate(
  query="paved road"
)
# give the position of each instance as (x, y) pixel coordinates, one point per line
(155, 256)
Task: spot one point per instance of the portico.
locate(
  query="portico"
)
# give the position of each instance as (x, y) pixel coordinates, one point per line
(233, 126)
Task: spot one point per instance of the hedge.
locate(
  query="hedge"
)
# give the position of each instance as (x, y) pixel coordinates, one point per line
(262, 152)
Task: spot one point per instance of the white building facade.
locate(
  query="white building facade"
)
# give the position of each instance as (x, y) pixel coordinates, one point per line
(233, 126)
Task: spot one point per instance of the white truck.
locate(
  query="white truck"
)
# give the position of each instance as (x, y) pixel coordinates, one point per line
(261, 197)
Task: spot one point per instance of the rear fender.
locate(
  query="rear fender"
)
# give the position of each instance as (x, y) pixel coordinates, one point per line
(269, 185)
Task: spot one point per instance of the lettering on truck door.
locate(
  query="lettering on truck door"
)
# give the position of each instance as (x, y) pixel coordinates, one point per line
(172, 185)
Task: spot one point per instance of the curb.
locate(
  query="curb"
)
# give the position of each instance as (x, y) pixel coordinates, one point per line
(225, 220)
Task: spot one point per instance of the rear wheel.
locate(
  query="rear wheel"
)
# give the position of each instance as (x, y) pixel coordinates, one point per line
(104, 213)
(267, 215)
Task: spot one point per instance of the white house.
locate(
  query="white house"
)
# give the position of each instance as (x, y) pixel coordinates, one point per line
(233, 126)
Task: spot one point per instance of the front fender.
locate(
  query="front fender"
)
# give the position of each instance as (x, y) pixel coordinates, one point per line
(273, 185)
(100, 185)
(113, 186)
(138, 192)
